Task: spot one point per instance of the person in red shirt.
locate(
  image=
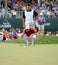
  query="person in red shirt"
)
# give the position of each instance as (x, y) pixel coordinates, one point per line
(29, 34)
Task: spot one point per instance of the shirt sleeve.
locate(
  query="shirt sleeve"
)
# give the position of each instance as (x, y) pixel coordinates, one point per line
(23, 14)
(35, 13)
(32, 30)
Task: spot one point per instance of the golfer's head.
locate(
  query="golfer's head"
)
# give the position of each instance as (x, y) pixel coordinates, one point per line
(27, 27)
(28, 7)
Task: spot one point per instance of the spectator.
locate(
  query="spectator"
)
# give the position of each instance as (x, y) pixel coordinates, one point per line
(48, 33)
(9, 4)
(20, 4)
(50, 13)
(57, 33)
(9, 13)
(33, 7)
(32, 2)
(37, 7)
(6, 34)
(24, 7)
(1, 36)
(2, 3)
(40, 23)
(2, 11)
(53, 34)
(14, 13)
(36, 1)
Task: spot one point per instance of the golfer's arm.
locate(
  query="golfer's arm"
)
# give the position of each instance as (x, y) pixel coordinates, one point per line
(34, 33)
(36, 15)
(23, 32)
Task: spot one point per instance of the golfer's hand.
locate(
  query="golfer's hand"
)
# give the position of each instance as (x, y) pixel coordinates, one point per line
(24, 30)
(30, 35)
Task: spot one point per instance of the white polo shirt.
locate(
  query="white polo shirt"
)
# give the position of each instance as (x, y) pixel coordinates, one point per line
(29, 17)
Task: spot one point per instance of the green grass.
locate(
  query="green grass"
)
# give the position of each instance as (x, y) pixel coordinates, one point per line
(39, 40)
(45, 52)
(40, 54)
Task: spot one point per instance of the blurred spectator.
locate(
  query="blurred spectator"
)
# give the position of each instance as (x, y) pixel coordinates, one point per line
(2, 11)
(9, 13)
(37, 7)
(40, 23)
(24, 7)
(53, 34)
(57, 33)
(1, 36)
(14, 13)
(36, 1)
(6, 34)
(33, 7)
(32, 2)
(20, 3)
(48, 34)
(50, 13)
(49, 8)
(2, 3)
(14, 2)
(9, 4)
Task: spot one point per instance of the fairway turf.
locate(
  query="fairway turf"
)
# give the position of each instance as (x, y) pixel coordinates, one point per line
(40, 54)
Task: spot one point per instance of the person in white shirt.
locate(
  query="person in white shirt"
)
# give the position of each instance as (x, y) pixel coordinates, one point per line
(40, 23)
(28, 16)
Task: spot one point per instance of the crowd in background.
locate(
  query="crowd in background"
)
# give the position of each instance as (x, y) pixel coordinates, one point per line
(16, 7)
(48, 8)
(10, 34)
(17, 34)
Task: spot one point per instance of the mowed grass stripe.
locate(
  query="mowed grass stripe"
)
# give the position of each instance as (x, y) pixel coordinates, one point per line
(40, 54)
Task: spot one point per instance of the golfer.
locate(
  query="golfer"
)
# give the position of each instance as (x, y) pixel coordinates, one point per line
(29, 35)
